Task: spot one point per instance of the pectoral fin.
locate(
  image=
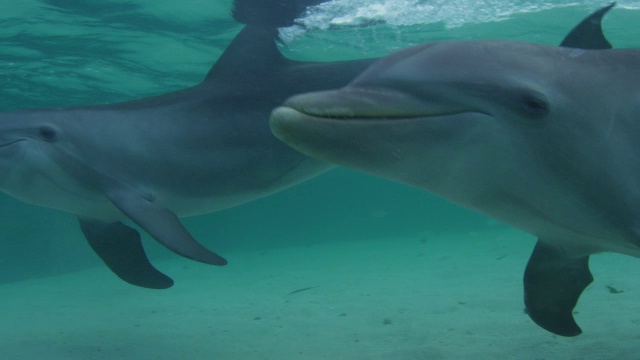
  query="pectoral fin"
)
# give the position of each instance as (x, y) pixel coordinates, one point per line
(553, 282)
(163, 225)
(120, 248)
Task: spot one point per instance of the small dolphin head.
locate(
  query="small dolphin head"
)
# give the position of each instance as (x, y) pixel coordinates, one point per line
(24, 142)
(35, 160)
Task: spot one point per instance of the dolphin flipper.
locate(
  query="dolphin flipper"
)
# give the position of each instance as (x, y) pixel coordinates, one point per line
(120, 248)
(553, 283)
(163, 225)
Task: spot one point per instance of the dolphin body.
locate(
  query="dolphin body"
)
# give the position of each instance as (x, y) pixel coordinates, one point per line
(543, 138)
(189, 152)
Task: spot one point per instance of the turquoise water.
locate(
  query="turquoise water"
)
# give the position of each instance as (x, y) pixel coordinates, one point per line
(58, 53)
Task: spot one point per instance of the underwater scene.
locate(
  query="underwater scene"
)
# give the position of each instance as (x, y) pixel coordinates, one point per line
(148, 212)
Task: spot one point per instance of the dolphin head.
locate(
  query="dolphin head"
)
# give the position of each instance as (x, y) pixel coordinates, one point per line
(24, 143)
(488, 124)
(431, 107)
(35, 161)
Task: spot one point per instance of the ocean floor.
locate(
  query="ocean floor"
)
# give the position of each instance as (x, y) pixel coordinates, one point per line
(441, 296)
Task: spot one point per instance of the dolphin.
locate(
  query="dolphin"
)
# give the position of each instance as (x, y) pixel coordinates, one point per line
(189, 152)
(542, 138)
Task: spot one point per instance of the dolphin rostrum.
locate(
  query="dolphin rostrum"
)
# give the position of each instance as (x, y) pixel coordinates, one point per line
(189, 152)
(543, 138)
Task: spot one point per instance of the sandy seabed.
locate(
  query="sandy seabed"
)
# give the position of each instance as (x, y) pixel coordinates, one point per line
(440, 296)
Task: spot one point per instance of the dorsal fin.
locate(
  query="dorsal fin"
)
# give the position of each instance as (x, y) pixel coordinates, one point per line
(588, 33)
(254, 49)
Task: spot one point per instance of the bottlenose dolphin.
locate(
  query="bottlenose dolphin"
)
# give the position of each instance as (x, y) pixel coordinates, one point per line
(543, 138)
(189, 152)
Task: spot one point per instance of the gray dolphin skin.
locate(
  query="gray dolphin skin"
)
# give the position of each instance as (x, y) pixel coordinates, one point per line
(543, 138)
(153, 160)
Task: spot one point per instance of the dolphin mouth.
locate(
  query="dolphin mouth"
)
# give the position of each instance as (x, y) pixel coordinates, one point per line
(347, 116)
(368, 104)
(10, 143)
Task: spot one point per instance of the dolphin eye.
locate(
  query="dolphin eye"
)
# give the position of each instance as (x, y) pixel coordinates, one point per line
(47, 133)
(534, 105)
